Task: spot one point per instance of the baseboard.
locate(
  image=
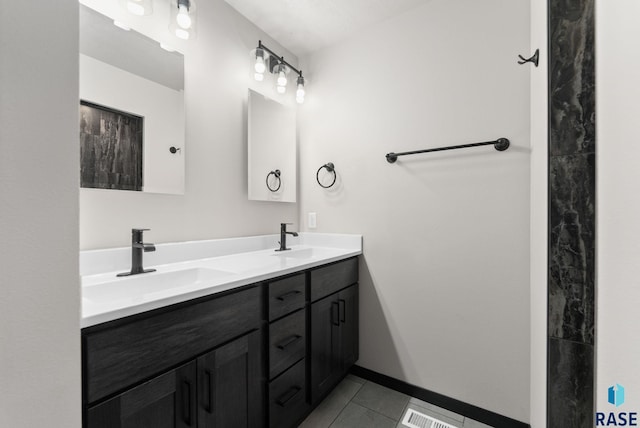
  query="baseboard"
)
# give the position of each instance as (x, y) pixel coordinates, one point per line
(468, 410)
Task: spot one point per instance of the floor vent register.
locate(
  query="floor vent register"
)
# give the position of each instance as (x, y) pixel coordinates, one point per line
(415, 419)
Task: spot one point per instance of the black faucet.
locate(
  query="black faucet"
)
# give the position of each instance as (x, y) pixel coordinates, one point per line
(137, 248)
(283, 237)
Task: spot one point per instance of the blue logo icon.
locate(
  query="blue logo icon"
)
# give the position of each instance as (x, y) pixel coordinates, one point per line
(616, 395)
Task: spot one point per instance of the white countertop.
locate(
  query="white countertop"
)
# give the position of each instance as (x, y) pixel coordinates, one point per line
(195, 269)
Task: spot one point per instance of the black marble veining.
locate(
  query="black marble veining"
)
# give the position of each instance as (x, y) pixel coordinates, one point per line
(570, 388)
(572, 247)
(572, 193)
(571, 77)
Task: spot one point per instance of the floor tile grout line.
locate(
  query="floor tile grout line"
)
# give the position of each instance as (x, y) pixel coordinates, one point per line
(371, 410)
(346, 404)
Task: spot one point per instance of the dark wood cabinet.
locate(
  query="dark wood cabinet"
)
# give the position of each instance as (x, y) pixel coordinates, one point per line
(124, 352)
(288, 397)
(219, 389)
(334, 340)
(262, 355)
(229, 386)
(167, 401)
(349, 321)
(288, 401)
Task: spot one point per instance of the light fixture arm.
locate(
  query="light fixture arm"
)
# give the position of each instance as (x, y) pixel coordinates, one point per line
(280, 58)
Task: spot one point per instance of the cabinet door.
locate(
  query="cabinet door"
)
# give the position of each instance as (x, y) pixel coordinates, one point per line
(167, 401)
(229, 385)
(325, 346)
(348, 311)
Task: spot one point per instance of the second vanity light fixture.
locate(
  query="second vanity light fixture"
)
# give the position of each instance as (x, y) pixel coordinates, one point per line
(182, 15)
(268, 60)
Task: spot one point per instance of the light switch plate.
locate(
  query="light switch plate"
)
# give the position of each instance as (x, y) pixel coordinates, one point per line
(311, 222)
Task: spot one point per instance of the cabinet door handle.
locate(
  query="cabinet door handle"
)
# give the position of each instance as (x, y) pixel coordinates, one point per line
(186, 402)
(285, 296)
(209, 386)
(334, 314)
(343, 310)
(285, 343)
(285, 398)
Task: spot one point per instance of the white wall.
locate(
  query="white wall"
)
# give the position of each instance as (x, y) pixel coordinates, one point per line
(215, 203)
(445, 277)
(539, 215)
(39, 305)
(618, 205)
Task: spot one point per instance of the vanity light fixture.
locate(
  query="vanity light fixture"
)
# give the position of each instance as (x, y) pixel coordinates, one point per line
(266, 59)
(182, 18)
(138, 7)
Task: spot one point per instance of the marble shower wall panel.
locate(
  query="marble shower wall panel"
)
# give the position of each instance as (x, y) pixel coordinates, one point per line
(571, 379)
(571, 77)
(572, 247)
(572, 196)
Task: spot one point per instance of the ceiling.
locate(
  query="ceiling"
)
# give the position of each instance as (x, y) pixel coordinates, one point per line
(304, 26)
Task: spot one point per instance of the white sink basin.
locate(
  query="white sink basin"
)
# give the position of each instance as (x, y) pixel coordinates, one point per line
(149, 284)
(303, 253)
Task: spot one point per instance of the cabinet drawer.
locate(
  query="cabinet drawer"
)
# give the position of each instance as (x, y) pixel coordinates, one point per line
(287, 342)
(128, 353)
(287, 397)
(329, 279)
(286, 295)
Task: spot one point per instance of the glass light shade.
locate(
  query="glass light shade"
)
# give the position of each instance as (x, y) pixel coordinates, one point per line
(281, 89)
(182, 19)
(260, 66)
(259, 77)
(299, 99)
(300, 92)
(282, 77)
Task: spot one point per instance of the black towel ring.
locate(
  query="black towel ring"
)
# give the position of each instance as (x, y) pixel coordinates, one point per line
(331, 168)
(276, 173)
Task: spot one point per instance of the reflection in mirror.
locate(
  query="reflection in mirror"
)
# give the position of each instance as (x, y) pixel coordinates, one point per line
(272, 150)
(126, 75)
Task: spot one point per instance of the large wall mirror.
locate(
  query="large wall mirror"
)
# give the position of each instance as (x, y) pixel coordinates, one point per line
(272, 150)
(132, 123)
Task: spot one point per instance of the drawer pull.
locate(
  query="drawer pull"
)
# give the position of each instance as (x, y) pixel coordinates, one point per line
(288, 396)
(285, 296)
(335, 318)
(209, 377)
(343, 311)
(186, 402)
(285, 343)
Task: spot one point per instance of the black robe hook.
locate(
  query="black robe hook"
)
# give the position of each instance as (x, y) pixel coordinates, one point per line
(533, 59)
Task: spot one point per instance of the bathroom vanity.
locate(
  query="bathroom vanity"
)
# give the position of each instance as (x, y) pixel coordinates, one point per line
(261, 346)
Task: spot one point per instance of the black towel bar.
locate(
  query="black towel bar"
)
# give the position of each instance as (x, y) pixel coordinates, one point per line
(501, 144)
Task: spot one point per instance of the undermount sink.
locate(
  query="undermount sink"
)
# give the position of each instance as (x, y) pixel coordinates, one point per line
(302, 253)
(150, 283)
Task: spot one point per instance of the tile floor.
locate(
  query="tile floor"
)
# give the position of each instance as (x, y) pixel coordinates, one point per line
(358, 403)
